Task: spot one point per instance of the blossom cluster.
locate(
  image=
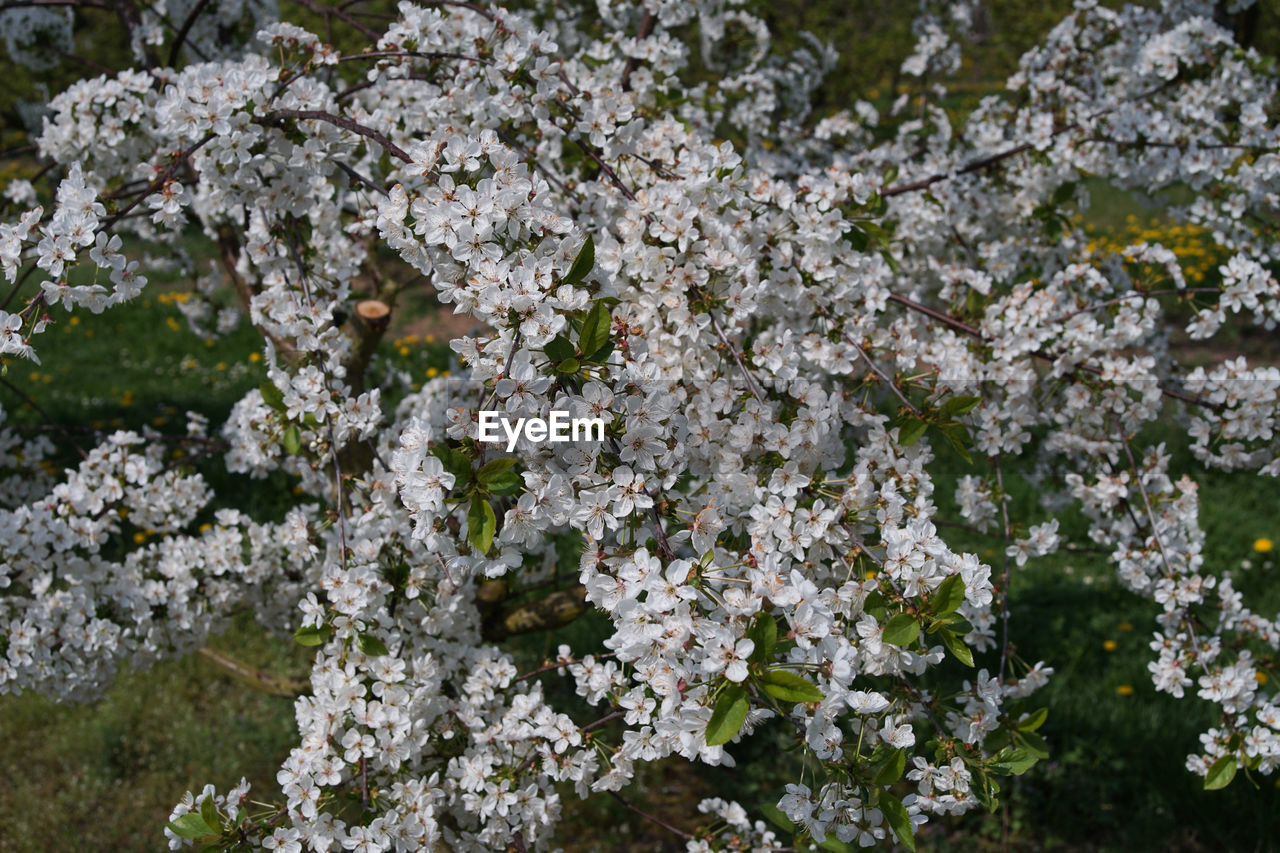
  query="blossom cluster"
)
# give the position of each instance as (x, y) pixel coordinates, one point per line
(782, 318)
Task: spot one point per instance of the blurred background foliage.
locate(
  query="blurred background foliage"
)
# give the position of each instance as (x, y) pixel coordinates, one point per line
(105, 775)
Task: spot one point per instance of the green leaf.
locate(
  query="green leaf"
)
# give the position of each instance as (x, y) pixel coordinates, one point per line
(948, 596)
(895, 814)
(491, 469)
(311, 635)
(559, 348)
(857, 238)
(789, 687)
(506, 483)
(1034, 720)
(595, 329)
(209, 813)
(764, 633)
(481, 524)
(292, 440)
(987, 791)
(371, 645)
(959, 438)
(1221, 773)
(569, 365)
(728, 715)
(956, 646)
(911, 432)
(1063, 194)
(1013, 761)
(584, 263)
(601, 355)
(272, 396)
(191, 825)
(455, 462)
(775, 816)
(891, 770)
(960, 404)
(901, 630)
(1033, 744)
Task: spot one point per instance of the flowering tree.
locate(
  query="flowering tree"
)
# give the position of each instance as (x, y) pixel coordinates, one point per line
(776, 329)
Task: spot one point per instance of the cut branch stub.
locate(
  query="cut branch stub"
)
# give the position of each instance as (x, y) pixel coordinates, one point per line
(375, 312)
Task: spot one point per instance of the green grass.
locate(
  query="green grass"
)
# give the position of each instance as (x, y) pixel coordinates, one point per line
(104, 776)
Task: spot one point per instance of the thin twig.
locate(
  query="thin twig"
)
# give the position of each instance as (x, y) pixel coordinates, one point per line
(1005, 581)
(649, 817)
(883, 376)
(42, 413)
(733, 350)
(185, 30)
(345, 123)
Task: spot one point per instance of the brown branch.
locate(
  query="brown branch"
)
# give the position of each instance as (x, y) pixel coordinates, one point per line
(649, 817)
(974, 166)
(159, 182)
(413, 54)
(937, 315)
(737, 357)
(346, 124)
(185, 30)
(1005, 581)
(646, 29)
(1040, 354)
(23, 4)
(22, 395)
(259, 679)
(336, 12)
(885, 377)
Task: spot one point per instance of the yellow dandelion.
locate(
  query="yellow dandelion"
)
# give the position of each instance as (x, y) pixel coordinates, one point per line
(255, 357)
(1260, 677)
(206, 527)
(222, 365)
(1109, 645)
(1125, 626)
(173, 324)
(139, 537)
(432, 372)
(1263, 545)
(1125, 690)
(870, 574)
(75, 321)
(403, 351)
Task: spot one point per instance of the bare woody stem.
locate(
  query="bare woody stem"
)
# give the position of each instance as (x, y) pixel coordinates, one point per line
(1005, 576)
(258, 679)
